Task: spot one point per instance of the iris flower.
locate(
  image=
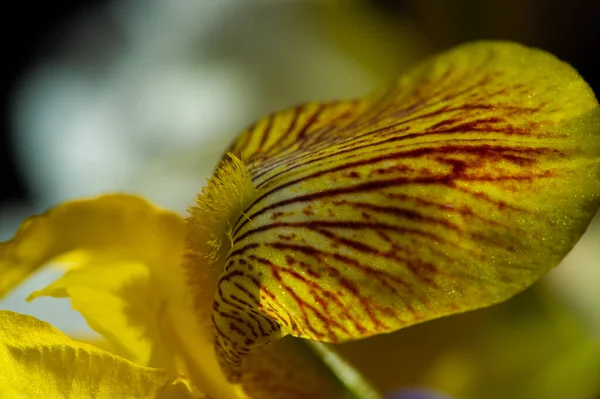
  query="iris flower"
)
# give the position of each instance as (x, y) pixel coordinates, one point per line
(454, 189)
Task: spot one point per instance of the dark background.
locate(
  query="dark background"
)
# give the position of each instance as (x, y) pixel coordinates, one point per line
(29, 29)
(569, 29)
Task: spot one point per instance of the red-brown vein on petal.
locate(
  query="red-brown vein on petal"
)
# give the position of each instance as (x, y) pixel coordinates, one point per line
(289, 130)
(463, 210)
(393, 254)
(464, 107)
(240, 251)
(286, 130)
(267, 130)
(330, 322)
(432, 100)
(440, 94)
(302, 130)
(304, 159)
(401, 213)
(419, 101)
(319, 255)
(248, 294)
(368, 306)
(251, 329)
(307, 132)
(456, 174)
(339, 224)
(319, 291)
(482, 150)
(288, 142)
(244, 307)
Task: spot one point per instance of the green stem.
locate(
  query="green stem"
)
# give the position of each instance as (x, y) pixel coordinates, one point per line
(356, 385)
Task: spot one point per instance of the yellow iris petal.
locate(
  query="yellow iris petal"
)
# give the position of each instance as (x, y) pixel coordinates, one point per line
(114, 300)
(461, 185)
(127, 281)
(37, 361)
(113, 227)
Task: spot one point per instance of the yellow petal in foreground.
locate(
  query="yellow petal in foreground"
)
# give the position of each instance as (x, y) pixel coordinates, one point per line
(116, 301)
(457, 188)
(37, 361)
(127, 281)
(113, 226)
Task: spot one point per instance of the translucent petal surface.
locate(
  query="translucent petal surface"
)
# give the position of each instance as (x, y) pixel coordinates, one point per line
(126, 281)
(458, 187)
(112, 227)
(37, 361)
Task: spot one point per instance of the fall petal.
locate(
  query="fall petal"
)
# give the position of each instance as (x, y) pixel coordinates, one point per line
(458, 187)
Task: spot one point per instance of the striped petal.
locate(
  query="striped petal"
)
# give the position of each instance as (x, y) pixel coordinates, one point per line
(455, 189)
